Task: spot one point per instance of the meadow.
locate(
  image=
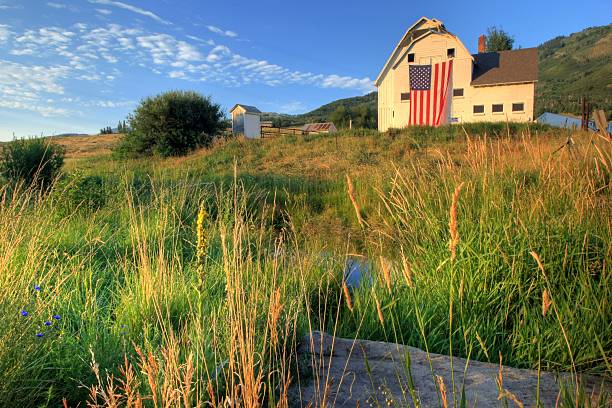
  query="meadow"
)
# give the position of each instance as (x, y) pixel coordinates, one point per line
(186, 281)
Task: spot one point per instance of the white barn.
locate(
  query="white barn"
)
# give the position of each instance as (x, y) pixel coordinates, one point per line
(246, 121)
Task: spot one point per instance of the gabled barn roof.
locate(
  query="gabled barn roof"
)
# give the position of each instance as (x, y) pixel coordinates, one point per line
(505, 67)
(420, 29)
(247, 108)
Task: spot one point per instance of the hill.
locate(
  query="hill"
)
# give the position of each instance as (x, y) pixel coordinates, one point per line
(570, 66)
(361, 109)
(573, 66)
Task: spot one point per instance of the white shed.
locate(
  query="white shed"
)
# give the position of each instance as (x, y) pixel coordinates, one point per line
(246, 121)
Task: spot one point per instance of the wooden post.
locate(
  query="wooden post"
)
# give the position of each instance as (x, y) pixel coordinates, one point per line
(584, 124)
(350, 124)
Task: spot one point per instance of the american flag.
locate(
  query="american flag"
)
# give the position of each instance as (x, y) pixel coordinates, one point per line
(429, 103)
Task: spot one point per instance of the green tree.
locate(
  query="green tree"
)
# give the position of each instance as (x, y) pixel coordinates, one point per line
(498, 40)
(33, 162)
(171, 124)
(364, 116)
(340, 117)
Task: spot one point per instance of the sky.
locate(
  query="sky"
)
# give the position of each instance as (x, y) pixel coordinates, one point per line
(80, 65)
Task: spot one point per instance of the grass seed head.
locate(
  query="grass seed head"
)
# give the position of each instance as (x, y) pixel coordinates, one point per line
(454, 231)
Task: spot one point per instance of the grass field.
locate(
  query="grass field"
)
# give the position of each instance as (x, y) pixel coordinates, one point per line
(174, 282)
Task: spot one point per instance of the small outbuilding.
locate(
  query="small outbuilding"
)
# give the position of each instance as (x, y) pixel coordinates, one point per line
(246, 121)
(326, 127)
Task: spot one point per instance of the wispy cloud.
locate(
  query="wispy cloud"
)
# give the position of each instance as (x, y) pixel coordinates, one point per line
(106, 12)
(86, 52)
(134, 9)
(4, 33)
(225, 33)
(57, 5)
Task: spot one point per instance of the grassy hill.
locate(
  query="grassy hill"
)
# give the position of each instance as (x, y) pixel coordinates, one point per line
(573, 66)
(570, 66)
(219, 262)
(325, 112)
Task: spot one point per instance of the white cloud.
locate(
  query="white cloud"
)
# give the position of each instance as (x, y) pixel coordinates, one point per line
(56, 5)
(201, 40)
(44, 110)
(345, 82)
(46, 36)
(85, 52)
(226, 33)
(24, 87)
(105, 12)
(131, 8)
(5, 33)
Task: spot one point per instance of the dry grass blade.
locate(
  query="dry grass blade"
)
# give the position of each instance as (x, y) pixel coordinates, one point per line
(347, 295)
(545, 302)
(351, 194)
(386, 269)
(442, 388)
(453, 224)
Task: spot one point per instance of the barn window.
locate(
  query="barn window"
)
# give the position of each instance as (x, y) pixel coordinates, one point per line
(458, 92)
(479, 109)
(450, 53)
(518, 107)
(411, 57)
(405, 96)
(497, 108)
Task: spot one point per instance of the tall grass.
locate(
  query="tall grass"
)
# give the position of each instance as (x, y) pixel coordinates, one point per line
(191, 288)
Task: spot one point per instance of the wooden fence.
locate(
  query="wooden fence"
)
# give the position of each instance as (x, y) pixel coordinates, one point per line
(267, 132)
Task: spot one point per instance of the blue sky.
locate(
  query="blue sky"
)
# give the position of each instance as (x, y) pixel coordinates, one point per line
(79, 65)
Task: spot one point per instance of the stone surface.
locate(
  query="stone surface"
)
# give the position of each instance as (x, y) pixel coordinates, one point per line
(349, 373)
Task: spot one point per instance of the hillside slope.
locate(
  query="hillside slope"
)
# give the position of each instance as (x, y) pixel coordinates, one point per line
(573, 66)
(324, 113)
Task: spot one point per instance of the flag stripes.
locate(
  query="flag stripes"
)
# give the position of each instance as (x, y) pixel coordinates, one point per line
(429, 93)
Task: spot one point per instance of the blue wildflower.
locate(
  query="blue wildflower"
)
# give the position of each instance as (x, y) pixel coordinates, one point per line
(57, 317)
(47, 323)
(39, 335)
(37, 288)
(24, 313)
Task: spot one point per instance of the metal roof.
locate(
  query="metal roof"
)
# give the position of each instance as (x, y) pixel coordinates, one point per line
(319, 127)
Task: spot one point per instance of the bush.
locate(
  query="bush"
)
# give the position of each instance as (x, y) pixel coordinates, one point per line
(33, 162)
(79, 192)
(172, 124)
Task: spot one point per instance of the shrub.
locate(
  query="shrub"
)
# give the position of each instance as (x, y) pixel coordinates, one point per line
(172, 124)
(78, 191)
(33, 162)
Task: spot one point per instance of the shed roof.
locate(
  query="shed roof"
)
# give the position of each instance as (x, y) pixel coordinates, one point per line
(504, 67)
(247, 108)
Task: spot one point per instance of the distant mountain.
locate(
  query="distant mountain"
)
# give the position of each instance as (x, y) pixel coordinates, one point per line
(570, 67)
(352, 107)
(573, 66)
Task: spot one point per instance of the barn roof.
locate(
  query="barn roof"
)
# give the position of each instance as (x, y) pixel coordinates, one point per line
(505, 67)
(420, 29)
(247, 108)
(318, 127)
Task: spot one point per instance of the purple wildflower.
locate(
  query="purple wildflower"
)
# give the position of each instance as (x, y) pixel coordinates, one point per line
(39, 335)
(24, 313)
(47, 323)
(37, 288)
(57, 317)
